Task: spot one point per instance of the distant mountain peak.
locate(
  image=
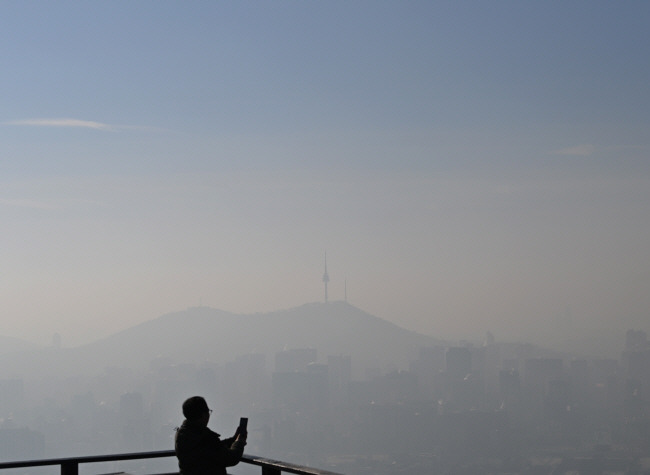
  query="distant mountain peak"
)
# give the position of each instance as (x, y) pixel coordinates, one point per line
(206, 334)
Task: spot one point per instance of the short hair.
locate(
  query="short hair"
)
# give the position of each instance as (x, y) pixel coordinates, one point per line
(194, 407)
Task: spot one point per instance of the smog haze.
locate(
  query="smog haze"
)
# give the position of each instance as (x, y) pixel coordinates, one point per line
(466, 166)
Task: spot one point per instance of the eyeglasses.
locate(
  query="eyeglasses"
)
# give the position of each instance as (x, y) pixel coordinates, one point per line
(209, 411)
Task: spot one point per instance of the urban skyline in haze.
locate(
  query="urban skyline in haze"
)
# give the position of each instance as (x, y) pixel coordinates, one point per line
(468, 166)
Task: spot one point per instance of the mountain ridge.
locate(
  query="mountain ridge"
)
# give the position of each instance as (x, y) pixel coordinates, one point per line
(9, 344)
(200, 334)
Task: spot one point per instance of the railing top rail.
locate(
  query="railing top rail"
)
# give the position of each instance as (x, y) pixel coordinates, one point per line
(250, 459)
(88, 459)
(284, 466)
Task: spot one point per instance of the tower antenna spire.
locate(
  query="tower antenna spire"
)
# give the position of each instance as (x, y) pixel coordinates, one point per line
(326, 277)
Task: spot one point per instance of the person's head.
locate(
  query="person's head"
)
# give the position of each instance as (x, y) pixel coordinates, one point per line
(195, 409)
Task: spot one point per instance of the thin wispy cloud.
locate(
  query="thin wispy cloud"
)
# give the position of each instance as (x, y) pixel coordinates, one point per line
(583, 150)
(61, 122)
(83, 124)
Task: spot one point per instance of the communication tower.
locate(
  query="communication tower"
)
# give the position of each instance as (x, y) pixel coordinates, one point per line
(326, 277)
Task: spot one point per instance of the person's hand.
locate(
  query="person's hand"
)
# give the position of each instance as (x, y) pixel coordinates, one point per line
(241, 433)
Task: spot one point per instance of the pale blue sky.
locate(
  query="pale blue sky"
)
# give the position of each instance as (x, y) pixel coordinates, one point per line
(468, 166)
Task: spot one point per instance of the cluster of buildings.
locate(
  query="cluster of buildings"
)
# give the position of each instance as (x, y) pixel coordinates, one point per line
(511, 407)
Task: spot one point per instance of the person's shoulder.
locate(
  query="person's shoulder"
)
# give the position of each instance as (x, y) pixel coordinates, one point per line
(210, 433)
(188, 431)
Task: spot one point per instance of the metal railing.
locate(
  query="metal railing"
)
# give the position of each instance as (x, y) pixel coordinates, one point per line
(70, 466)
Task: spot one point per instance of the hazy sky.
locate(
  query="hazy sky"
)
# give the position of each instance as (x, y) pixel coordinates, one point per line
(467, 166)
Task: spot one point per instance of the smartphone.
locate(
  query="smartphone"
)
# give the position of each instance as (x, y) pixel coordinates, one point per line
(243, 424)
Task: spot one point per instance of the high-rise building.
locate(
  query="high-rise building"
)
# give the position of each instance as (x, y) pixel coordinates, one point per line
(458, 362)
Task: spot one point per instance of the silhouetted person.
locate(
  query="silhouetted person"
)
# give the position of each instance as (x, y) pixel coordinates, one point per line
(200, 451)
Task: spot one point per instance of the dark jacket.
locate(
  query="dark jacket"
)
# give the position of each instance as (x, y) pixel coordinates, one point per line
(201, 452)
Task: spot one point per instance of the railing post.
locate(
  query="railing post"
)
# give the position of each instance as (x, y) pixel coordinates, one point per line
(266, 470)
(69, 468)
